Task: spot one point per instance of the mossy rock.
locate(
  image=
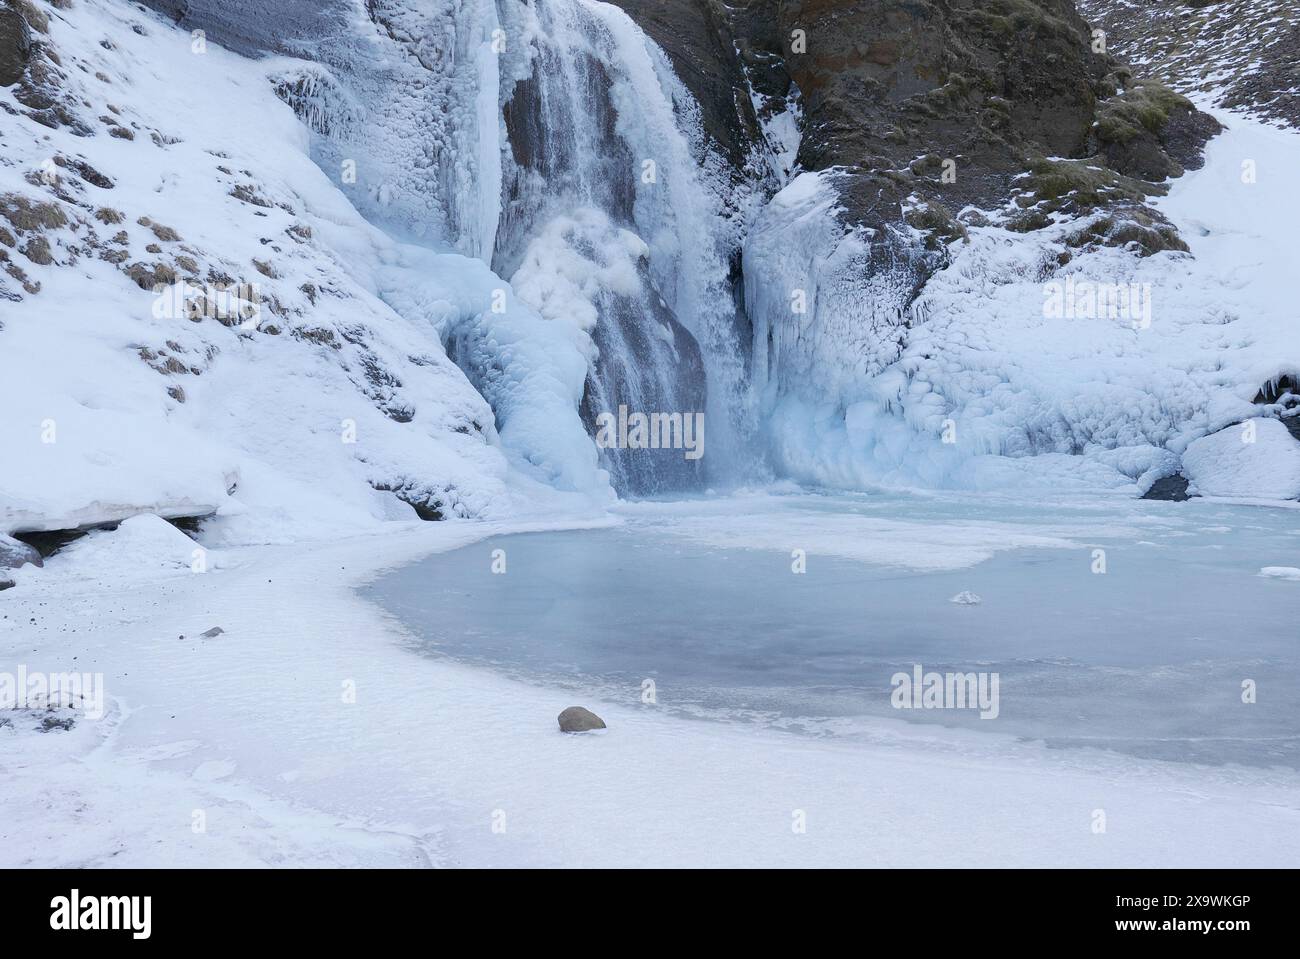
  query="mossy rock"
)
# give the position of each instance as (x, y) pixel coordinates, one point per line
(1133, 227)
(940, 226)
(1078, 186)
(1151, 132)
(31, 215)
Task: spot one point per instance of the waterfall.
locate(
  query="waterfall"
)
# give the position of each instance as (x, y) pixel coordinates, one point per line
(551, 140)
(612, 218)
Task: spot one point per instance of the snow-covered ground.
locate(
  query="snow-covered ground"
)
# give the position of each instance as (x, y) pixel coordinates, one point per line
(244, 749)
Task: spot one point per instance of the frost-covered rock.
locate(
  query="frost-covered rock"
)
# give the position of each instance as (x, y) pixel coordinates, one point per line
(1258, 459)
(1241, 53)
(966, 598)
(15, 554)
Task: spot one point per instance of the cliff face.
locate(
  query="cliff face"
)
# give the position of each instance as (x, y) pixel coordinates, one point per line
(891, 89)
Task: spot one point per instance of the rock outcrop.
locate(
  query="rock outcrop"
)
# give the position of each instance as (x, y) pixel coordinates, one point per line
(15, 45)
(15, 554)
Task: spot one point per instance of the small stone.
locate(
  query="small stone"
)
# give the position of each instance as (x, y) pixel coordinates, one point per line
(576, 719)
(212, 633)
(966, 598)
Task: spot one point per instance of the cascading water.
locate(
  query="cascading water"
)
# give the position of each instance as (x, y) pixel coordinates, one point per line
(611, 218)
(552, 140)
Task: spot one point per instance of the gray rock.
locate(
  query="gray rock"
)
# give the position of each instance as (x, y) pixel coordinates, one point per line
(1172, 488)
(6, 584)
(15, 553)
(15, 45)
(212, 633)
(577, 719)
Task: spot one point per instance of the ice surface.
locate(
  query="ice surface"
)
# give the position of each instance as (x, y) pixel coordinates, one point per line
(1144, 658)
(1145, 654)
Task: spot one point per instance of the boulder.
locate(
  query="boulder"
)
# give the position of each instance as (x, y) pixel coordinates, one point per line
(577, 719)
(15, 553)
(1172, 488)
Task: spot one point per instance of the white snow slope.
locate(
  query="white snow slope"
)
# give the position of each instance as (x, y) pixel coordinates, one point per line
(322, 412)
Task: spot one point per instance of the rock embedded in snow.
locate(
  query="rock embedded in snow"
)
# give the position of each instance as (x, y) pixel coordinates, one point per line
(577, 719)
(15, 553)
(1281, 572)
(145, 541)
(966, 598)
(212, 633)
(1258, 458)
(1171, 488)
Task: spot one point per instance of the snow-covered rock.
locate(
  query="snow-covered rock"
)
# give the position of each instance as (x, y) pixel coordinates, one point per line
(1258, 458)
(143, 542)
(15, 554)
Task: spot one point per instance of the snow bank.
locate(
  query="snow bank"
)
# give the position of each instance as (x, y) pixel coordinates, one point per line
(1258, 458)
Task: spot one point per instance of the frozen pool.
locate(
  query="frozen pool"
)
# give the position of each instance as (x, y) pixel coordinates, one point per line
(1148, 657)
